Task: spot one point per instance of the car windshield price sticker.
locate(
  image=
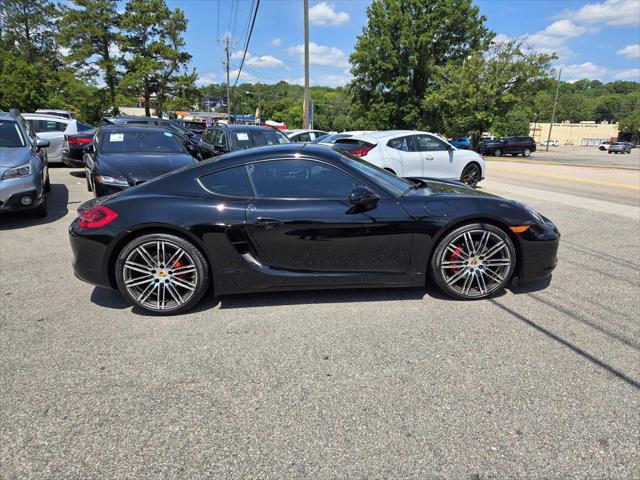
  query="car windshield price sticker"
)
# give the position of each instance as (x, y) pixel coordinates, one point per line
(116, 137)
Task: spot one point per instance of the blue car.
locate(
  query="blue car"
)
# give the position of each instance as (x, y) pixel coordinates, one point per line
(463, 143)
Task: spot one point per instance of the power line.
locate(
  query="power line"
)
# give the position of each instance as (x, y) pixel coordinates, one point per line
(246, 45)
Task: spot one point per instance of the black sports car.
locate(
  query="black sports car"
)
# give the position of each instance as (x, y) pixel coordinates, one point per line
(303, 217)
(122, 156)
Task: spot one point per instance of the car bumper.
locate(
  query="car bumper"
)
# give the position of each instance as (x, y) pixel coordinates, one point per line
(12, 190)
(90, 256)
(538, 253)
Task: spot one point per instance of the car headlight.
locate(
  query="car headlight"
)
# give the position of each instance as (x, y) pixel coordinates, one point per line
(17, 172)
(107, 180)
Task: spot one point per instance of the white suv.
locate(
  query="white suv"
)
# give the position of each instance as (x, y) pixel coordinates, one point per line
(409, 153)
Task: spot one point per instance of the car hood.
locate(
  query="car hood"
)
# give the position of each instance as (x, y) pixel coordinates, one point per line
(444, 187)
(12, 157)
(137, 168)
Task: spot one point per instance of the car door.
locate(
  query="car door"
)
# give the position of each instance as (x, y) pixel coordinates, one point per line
(437, 158)
(52, 130)
(406, 155)
(301, 220)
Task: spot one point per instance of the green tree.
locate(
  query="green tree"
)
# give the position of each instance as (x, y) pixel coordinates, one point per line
(89, 28)
(478, 95)
(27, 29)
(153, 38)
(631, 124)
(396, 57)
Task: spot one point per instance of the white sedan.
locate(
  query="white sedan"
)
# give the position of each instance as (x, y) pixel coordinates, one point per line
(54, 128)
(409, 153)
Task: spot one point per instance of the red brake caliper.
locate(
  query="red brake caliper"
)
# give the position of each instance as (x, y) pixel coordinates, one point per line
(455, 256)
(178, 264)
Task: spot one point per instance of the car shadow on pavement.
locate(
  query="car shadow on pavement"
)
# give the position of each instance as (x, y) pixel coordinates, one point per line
(574, 348)
(105, 297)
(57, 200)
(77, 173)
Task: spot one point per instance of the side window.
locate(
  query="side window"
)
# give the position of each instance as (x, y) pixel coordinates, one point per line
(301, 179)
(31, 133)
(427, 143)
(303, 137)
(219, 138)
(402, 143)
(232, 181)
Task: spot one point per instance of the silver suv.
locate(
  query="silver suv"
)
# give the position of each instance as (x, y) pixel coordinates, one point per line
(24, 174)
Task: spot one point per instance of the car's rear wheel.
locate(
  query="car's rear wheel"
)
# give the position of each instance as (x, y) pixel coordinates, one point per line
(497, 152)
(471, 174)
(89, 184)
(473, 261)
(162, 274)
(526, 152)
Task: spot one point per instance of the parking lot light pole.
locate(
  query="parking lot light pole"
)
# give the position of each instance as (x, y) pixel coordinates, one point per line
(553, 114)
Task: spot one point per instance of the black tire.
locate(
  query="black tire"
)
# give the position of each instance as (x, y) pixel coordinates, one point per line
(526, 152)
(609, 153)
(497, 152)
(201, 278)
(88, 184)
(47, 183)
(41, 210)
(471, 174)
(479, 269)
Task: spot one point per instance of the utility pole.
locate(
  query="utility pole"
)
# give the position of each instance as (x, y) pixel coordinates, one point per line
(555, 104)
(305, 109)
(227, 51)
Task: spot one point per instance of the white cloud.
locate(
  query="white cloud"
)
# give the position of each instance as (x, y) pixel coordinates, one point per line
(322, 55)
(265, 61)
(609, 12)
(324, 14)
(554, 37)
(276, 42)
(245, 77)
(630, 51)
(501, 38)
(580, 71)
(631, 74)
(206, 79)
(333, 80)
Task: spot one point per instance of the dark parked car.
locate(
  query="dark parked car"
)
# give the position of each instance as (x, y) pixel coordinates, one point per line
(195, 126)
(24, 171)
(73, 147)
(303, 217)
(229, 138)
(136, 120)
(507, 146)
(121, 156)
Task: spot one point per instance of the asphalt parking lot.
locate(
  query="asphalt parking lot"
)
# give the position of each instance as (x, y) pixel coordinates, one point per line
(542, 381)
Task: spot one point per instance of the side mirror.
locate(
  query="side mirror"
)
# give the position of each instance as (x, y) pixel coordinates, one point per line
(364, 198)
(42, 143)
(89, 149)
(449, 147)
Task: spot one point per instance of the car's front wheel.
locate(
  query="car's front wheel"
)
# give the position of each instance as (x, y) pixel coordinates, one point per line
(497, 152)
(526, 152)
(162, 274)
(473, 261)
(471, 174)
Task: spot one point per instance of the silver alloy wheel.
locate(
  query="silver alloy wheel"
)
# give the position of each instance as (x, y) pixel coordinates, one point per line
(526, 152)
(476, 263)
(160, 275)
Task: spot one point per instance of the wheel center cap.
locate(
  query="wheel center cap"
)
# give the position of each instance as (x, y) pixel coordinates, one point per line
(162, 274)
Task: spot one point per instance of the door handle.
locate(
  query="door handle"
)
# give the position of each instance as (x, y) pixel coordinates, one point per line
(263, 222)
(428, 158)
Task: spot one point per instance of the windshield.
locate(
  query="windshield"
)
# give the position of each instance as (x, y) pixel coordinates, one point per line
(388, 180)
(127, 141)
(10, 135)
(241, 139)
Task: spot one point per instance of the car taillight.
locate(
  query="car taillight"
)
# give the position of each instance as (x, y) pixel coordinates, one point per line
(78, 140)
(96, 217)
(362, 151)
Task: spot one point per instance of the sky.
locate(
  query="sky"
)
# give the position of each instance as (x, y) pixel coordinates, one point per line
(594, 39)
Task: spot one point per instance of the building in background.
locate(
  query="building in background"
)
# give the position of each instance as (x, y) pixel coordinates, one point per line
(583, 133)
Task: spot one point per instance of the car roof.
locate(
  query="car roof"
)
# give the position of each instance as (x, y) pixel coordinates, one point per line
(235, 126)
(285, 151)
(382, 135)
(303, 130)
(130, 128)
(44, 116)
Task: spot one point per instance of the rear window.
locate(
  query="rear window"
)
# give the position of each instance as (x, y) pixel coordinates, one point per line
(350, 144)
(42, 126)
(137, 141)
(232, 181)
(241, 139)
(10, 135)
(83, 127)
